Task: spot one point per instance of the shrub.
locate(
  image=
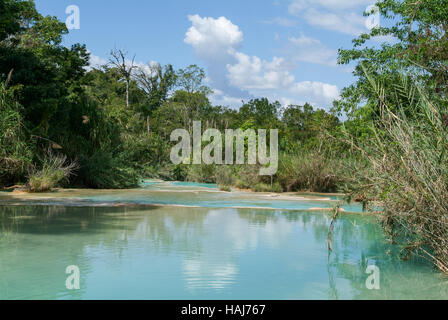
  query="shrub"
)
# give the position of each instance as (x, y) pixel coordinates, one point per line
(246, 176)
(263, 187)
(15, 153)
(55, 170)
(225, 188)
(201, 173)
(104, 171)
(410, 172)
(241, 184)
(224, 176)
(310, 171)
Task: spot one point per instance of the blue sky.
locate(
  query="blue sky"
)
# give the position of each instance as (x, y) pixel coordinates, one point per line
(281, 49)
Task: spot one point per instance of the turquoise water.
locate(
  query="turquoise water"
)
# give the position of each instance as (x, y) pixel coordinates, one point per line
(183, 194)
(226, 249)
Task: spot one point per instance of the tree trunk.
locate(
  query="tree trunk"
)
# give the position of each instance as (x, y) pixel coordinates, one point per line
(127, 94)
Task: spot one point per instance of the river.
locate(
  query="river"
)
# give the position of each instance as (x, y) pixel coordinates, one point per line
(191, 241)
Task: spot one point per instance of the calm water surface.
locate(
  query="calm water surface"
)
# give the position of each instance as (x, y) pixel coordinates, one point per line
(233, 247)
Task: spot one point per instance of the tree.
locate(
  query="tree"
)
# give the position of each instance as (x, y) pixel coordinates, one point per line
(46, 105)
(262, 112)
(305, 127)
(125, 68)
(15, 17)
(419, 47)
(46, 74)
(157, 82)
(191, 82)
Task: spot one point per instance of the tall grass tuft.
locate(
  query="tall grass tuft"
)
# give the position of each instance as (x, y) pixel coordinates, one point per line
(310, 171)
(55, 169)
(409, 160)
(15, 153)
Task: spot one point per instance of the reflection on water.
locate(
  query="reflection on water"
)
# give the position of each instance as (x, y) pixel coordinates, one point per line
(200, 253)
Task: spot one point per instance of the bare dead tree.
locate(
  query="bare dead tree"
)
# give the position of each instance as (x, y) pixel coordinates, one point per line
(124, 66)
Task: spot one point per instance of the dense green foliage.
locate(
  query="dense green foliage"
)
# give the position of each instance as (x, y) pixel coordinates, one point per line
(398, 122)
(43, 85)
(409, 172)
(417, 45)
(15, 154)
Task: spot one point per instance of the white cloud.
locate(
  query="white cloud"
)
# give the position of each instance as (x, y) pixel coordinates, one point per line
(213, 38)
(236, 75)
(345, 16)
(219, 98)
(215, 42)
(254, 73)
(148, 68)
(307, 49)
(275, 81)
(318, 94)
(340, 5)
(95, 62)
(284, 22)
(348, 22)
(319, 90)
(303, 40)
